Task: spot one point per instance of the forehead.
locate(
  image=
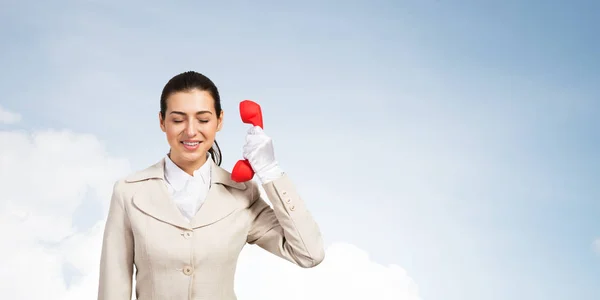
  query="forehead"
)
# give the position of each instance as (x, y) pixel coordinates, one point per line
(190, 101)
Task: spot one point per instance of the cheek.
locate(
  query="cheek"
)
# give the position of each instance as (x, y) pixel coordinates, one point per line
(172, 132)
(209, 130)
(208, 134)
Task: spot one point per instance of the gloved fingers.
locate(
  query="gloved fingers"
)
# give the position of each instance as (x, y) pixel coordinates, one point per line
(256, 130)
(256, 140)
(258, 148)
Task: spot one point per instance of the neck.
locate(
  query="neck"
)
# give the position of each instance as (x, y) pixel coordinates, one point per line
(186, 165)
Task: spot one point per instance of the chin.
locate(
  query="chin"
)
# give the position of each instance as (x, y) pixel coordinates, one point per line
(185, 155)
(191, 156)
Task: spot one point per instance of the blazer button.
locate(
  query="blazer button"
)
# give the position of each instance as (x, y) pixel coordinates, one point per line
(187, 234)
(187, 270)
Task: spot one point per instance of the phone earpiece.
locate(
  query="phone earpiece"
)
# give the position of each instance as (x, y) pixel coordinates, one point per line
(250, 113)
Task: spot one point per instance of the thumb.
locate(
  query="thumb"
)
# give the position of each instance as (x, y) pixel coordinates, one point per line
(255, 130)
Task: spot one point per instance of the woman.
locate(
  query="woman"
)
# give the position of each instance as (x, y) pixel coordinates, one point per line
(183, 222)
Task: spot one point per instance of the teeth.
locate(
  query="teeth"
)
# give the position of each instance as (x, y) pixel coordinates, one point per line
(191, 144)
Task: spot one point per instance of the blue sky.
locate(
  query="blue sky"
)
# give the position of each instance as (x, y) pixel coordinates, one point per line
(457, 140)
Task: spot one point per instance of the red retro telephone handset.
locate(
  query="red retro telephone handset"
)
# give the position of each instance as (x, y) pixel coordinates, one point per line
(251, 114)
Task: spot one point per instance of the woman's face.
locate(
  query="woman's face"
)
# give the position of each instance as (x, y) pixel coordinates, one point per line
(190, 125)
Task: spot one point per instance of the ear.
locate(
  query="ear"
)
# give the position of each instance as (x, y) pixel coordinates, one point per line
(161, 122)
(220, 121)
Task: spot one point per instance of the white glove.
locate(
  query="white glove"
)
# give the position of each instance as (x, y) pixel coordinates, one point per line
(259, 152)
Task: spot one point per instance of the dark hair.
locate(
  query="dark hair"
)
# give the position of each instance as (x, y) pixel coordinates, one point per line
(188, 81)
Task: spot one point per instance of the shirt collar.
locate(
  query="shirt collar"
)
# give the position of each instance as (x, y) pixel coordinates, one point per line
(177, 177)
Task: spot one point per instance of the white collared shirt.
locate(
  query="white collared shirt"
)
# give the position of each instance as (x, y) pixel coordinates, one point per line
(188, 192)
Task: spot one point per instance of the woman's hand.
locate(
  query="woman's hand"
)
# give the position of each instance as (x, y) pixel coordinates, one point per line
(259, 152)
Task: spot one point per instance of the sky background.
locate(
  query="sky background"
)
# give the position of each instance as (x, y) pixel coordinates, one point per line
(448, 149)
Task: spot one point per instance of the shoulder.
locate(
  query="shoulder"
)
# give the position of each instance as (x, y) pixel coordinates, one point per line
(130, 182)
(223, 177)
(247, 191)
(154, 171)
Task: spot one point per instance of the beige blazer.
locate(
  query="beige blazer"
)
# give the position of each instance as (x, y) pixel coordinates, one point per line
(196, 260)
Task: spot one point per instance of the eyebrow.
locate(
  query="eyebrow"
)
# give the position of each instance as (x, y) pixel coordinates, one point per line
(197, 113)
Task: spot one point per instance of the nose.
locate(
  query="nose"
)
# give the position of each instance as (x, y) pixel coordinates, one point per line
(191, 129)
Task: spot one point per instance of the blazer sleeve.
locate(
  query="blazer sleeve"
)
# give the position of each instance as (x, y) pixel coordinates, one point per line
(287, 229)
(116, 262)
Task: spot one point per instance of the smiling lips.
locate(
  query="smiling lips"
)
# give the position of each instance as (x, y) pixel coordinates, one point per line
(191, 145)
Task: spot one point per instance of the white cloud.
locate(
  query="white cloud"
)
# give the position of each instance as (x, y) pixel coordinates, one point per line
(596, 245)
(44, 178)
(346, 273)
(47, 175)
(8, 117)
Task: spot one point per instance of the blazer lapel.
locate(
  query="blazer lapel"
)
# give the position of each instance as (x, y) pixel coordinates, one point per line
(219, 202)
(153, 198)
